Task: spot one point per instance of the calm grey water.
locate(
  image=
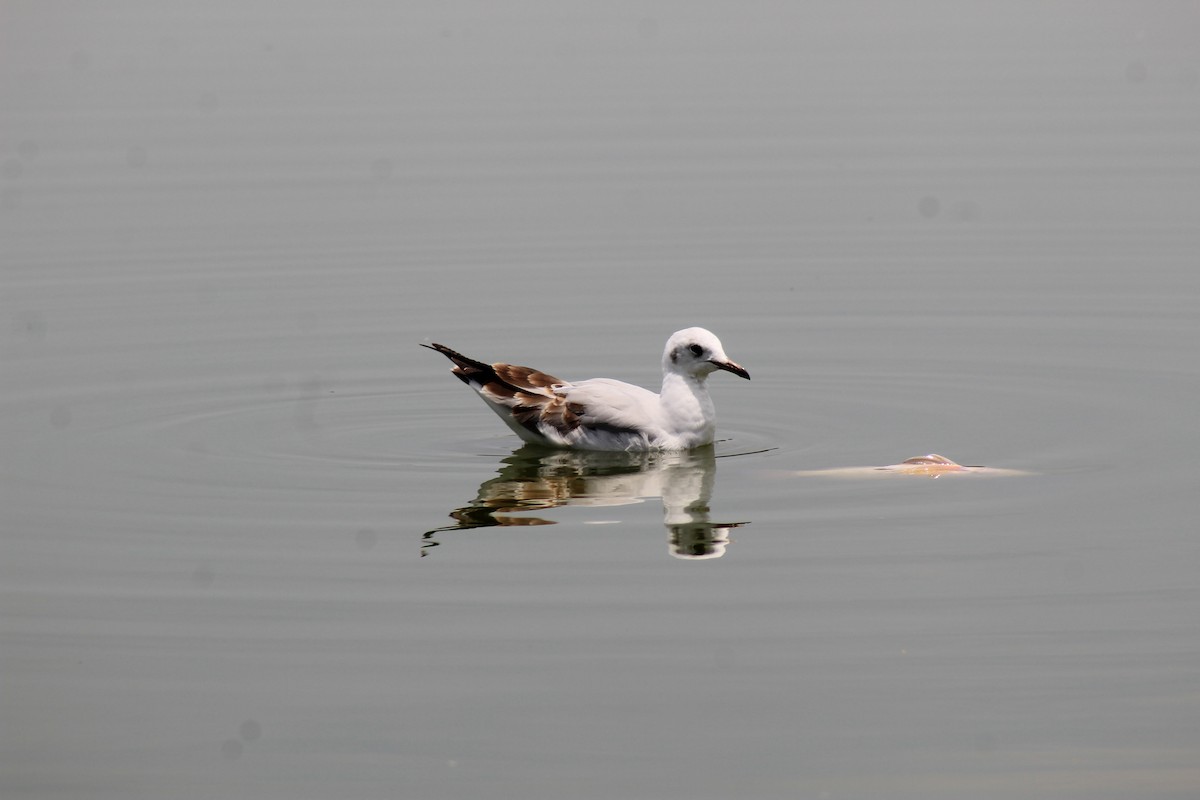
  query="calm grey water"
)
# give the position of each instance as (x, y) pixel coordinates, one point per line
(255, 542)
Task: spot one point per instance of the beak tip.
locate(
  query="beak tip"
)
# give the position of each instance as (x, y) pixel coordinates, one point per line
(736, 369)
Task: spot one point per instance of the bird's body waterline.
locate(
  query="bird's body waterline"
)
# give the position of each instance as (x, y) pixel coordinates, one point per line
(606, 414)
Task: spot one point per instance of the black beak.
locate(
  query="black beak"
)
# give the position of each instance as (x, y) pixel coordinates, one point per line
(730, 366)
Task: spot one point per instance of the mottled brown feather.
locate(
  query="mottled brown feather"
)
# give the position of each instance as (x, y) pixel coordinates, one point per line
(525, 391)
(524, 377)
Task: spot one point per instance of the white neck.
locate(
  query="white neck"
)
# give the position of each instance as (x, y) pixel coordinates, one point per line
(687, 409)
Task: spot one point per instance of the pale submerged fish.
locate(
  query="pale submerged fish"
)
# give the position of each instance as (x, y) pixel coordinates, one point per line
(930, 466)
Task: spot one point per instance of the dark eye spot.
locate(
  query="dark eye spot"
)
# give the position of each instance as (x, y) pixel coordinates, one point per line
(697, 350)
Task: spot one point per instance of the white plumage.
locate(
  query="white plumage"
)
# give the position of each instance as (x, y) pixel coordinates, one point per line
(606, 414)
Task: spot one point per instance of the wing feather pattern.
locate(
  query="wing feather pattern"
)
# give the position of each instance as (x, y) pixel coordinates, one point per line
(537, 402)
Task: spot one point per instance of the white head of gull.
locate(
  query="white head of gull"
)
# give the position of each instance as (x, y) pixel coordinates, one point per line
(606, 414)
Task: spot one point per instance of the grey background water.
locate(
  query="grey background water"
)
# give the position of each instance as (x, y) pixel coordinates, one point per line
(962, 228)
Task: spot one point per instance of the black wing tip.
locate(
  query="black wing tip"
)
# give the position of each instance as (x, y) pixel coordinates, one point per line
(458, 358)
(466, 369)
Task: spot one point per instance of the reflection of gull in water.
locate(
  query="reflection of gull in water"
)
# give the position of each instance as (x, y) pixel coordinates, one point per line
(534, 478)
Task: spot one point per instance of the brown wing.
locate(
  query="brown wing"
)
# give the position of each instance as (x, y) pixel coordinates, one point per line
(512, 377)
(525, 391)
(525, 377)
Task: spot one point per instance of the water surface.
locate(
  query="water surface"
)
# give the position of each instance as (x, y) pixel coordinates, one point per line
(229, 562)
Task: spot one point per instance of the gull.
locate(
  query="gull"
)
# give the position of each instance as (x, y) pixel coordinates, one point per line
(606, 414)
